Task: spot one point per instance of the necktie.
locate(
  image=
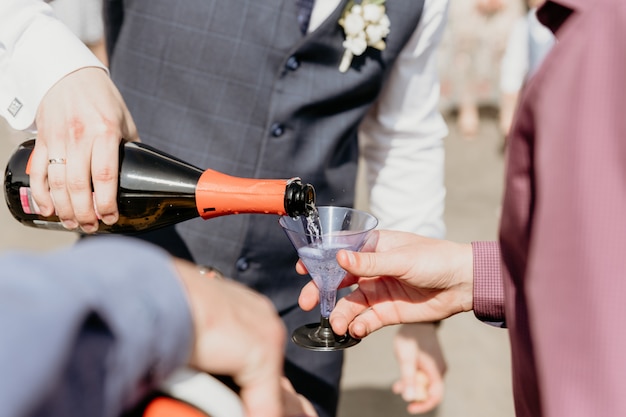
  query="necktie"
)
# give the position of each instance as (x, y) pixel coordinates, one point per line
(305, 7)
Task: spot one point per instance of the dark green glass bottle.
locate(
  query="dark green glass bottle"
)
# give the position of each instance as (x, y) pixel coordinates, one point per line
(157, 189)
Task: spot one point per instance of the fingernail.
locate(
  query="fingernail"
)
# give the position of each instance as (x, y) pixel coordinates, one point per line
(69, 224)
(109, 219)
(89, 228)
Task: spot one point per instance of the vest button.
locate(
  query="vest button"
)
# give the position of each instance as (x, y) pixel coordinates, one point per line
(242, 264)
(292, 63)
(277, 130)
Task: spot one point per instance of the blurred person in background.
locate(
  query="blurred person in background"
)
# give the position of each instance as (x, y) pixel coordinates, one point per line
(471, 51)
(529, 42)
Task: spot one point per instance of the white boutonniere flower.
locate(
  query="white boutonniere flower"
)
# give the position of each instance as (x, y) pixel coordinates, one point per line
(365, 24)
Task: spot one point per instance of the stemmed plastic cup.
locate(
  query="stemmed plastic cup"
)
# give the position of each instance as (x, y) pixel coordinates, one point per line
(317, 244)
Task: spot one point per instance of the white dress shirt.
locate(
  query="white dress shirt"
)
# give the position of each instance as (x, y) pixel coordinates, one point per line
(401, 138)
(84, 17)
(36, 51)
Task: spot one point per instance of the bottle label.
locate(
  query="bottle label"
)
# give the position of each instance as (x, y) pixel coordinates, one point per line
(29, 206)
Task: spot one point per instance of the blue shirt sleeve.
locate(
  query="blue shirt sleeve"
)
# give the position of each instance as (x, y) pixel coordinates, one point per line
(108, 314)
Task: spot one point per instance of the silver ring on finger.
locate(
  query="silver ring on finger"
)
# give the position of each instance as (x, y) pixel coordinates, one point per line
(55, 161)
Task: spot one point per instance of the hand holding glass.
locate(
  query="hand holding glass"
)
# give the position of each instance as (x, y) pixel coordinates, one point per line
(317, 245)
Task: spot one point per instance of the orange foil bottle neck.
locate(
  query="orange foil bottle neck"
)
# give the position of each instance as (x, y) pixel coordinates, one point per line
(219, 194)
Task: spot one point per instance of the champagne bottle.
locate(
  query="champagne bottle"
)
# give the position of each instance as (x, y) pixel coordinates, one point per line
(157, 190)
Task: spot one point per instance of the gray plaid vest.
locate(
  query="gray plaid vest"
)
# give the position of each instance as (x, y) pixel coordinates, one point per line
(234, 86)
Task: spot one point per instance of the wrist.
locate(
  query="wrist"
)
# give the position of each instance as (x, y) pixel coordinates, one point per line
(464, 277)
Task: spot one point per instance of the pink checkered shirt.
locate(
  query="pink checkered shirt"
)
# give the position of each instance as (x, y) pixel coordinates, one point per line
(563, 228)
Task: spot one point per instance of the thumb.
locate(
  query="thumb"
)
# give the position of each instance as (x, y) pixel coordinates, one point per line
(127, 125)
(130, 133)
(262, 398)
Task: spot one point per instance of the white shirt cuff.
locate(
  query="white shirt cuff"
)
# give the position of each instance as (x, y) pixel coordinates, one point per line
(45, 52)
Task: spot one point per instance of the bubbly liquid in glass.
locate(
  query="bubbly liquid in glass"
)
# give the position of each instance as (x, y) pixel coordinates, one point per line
(322, 265)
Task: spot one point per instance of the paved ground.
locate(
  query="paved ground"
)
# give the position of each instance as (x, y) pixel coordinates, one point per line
(478, 380)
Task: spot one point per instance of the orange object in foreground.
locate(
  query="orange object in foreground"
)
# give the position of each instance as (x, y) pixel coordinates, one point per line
(171, 407)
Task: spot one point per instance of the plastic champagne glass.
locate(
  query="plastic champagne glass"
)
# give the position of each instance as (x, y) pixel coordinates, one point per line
(317, 244)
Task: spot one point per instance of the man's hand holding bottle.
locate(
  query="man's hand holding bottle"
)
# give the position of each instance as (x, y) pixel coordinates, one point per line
(80, 124)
